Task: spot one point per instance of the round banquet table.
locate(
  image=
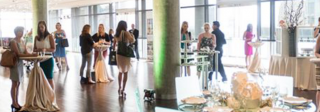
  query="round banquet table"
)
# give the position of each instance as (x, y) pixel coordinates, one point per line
(40, 96)
(100, 67)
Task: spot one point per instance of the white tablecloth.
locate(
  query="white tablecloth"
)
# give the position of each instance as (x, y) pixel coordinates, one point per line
(100, 67)
(300, 68)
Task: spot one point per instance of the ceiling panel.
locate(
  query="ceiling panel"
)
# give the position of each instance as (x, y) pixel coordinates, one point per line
(25, 5)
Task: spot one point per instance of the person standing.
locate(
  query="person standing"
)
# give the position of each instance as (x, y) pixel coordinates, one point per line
(111, 32)
(317, 30)
(123, 62)
(317, 54)
(44, 42)
(60, 53)
(16, 73)
(185, 35)
(247, 37)
(220, 40)
(86, 44)
(135, 33)
(206, 40)
(103, 38)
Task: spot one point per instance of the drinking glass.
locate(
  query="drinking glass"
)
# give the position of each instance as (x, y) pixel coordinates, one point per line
(274, 94)
(283, 93)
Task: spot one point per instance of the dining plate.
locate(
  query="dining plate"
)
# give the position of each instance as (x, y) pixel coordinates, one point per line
(269, 109)
(194, 100)
(217, 109)
(295, 100)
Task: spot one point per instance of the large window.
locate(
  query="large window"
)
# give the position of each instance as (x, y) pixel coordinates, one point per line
(265, 20)
(234, 21)
(10, 20)
(191, 2)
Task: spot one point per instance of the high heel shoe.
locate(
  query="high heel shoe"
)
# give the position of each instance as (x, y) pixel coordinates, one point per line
(123, 94)
(14, 109)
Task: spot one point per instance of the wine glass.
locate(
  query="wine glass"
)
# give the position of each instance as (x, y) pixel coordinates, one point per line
(283, 93)
(274, 94)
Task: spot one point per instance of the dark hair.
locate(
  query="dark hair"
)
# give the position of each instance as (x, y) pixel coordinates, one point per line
(46, 32)
(319, 19)
(58, 23)
(85, 29)
(216, 23)
(122, 25)
(248, 28)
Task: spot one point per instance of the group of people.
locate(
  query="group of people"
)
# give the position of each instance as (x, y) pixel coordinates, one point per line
(317, 54)
(46, 42)
(87, 43)
(213, 40)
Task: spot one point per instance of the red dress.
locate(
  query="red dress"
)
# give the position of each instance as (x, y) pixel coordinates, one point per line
(247, 47)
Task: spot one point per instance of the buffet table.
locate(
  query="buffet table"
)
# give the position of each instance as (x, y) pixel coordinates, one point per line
(100, 67)
(300, 68)
(40, 96)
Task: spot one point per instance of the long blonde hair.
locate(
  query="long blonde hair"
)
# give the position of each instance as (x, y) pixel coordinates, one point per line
(103, 31)
(183, 23)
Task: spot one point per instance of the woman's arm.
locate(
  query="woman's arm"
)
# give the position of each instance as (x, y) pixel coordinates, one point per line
(214, 42)
(14, 47)
(52, 44)
(35, 49)
(129, 36)
(199, 41)
(114, 43)
(245, 35)
(316, 32)
(317, 49)
(89, 39)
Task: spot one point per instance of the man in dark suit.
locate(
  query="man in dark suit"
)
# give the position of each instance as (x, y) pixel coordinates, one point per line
(220, 40)
(135, 33)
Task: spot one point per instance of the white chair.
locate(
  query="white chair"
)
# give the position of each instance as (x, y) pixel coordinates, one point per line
(187, 87)
(160, 109)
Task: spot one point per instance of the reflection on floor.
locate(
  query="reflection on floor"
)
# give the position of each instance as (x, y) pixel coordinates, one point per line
(102, 97)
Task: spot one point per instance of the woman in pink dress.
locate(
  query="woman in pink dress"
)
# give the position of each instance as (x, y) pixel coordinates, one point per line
(247, 37)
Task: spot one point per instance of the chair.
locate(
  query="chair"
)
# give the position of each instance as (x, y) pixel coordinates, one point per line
(187, 87)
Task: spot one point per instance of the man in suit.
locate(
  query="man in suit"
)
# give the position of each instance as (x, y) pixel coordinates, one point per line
(220, 40)
(135, 33)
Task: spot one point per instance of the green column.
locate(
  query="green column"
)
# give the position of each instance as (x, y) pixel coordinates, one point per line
(39, 11)
(166, 46)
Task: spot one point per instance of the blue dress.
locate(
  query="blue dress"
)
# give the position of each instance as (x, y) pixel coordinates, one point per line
(60, 50)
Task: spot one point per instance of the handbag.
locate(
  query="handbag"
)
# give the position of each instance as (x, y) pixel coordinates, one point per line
(9, 59)
(112, 57)
(124, 49)
(64, 43)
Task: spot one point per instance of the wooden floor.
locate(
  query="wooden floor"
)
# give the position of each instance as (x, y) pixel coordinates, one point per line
(101, 97)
